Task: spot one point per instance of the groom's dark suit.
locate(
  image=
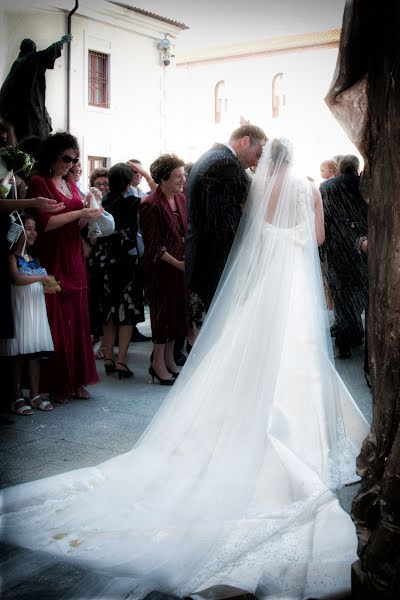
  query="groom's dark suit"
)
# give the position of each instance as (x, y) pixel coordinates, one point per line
(217, 189)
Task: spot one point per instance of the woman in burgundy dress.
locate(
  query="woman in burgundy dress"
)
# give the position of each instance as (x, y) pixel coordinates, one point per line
(60, 251)
(163, 220)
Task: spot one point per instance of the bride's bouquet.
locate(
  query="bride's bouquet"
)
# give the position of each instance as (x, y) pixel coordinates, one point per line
(12, 161)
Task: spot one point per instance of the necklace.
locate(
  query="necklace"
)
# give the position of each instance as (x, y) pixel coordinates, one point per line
(62, 186)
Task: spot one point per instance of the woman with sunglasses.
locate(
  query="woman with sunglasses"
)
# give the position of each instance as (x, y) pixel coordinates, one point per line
(60, 250)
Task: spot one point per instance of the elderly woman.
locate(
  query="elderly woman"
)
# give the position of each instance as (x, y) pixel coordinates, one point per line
(99, 179)
(60, 251)
(113, 266)
(163, 220)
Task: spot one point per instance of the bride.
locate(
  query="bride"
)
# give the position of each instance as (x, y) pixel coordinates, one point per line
(234, 480)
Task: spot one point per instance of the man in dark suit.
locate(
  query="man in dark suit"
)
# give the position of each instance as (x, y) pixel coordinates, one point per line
(217, 189)
(346, 213)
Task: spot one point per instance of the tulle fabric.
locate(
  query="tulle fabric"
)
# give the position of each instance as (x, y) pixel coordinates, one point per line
(233, 481)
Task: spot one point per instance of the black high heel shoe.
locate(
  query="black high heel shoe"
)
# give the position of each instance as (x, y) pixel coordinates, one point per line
(173, 373)
(124, 373)
(160, 381)
(110, 367)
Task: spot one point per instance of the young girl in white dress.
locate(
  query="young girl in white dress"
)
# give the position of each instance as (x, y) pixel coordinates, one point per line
(32, 339)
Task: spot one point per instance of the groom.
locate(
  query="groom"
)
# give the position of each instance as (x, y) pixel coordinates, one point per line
(217, 189)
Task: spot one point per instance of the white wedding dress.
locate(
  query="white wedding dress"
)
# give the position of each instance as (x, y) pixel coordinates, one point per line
(234, 480)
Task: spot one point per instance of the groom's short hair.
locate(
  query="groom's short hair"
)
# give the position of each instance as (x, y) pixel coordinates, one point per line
(349, 164)
(256, 134)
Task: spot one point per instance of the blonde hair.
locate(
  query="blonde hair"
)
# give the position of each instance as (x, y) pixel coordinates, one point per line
(331, 164)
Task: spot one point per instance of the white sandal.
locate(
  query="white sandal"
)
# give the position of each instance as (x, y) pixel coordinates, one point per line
(41, 404)
(24, 409)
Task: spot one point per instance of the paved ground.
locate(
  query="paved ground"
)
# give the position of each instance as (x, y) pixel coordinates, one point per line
(87, 432)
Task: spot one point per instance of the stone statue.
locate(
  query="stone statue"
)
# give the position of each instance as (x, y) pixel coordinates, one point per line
(365, 98)
(23, 93)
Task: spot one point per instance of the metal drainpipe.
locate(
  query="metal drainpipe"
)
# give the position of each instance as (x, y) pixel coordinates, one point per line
(69, 66)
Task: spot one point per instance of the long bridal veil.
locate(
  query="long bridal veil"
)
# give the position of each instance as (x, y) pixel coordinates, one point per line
(234, 479)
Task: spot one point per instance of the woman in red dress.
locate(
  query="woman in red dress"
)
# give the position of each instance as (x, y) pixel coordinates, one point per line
(163, 220)
(60, 251)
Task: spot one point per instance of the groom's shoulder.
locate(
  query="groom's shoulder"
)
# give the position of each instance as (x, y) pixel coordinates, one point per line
(217, 161)
(222, 160)
(330, 185)
(218, 152)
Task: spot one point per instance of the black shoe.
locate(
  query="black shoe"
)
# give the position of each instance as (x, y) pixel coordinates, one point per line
(173, 373)
(154, 375)
(180, 359)
(109, 366)
(139, 337)
(124, 373)
(333, 330)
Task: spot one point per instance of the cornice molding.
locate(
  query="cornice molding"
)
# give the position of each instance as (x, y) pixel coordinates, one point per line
(278, 45)
(141, 11)
(113, 14)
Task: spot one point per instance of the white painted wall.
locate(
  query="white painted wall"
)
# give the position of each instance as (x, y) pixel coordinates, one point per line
(156, 109)
(307, 120)
(131, 128)
(134, 126)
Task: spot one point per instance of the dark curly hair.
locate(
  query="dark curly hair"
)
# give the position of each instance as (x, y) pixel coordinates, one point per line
(163, 166)
(119, 177)
(52, 147)
(101, 172)
(31, 145)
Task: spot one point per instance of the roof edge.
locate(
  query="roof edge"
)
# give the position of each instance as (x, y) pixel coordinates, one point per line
(152, 15)
(277, 45)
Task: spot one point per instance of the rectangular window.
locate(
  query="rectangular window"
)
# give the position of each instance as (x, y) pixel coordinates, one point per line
(99, 84)
(95, 162)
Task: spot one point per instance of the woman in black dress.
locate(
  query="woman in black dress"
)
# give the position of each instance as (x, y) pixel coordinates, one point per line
(113, 265)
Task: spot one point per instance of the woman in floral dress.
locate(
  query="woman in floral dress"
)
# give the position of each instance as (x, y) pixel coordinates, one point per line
(113, 266)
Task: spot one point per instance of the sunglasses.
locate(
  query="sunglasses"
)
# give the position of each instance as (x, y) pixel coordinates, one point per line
(68, 159)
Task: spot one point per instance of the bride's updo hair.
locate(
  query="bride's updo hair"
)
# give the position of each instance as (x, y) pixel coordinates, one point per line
(281, 150)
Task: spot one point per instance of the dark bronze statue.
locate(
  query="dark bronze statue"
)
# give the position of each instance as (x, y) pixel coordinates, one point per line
(365, 98)
(23, 93)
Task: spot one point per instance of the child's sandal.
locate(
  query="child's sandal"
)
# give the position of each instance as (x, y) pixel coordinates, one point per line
(41, 404)
(19, 407)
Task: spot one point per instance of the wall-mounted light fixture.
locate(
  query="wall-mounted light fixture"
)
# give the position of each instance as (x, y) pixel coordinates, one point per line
(164, 46)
